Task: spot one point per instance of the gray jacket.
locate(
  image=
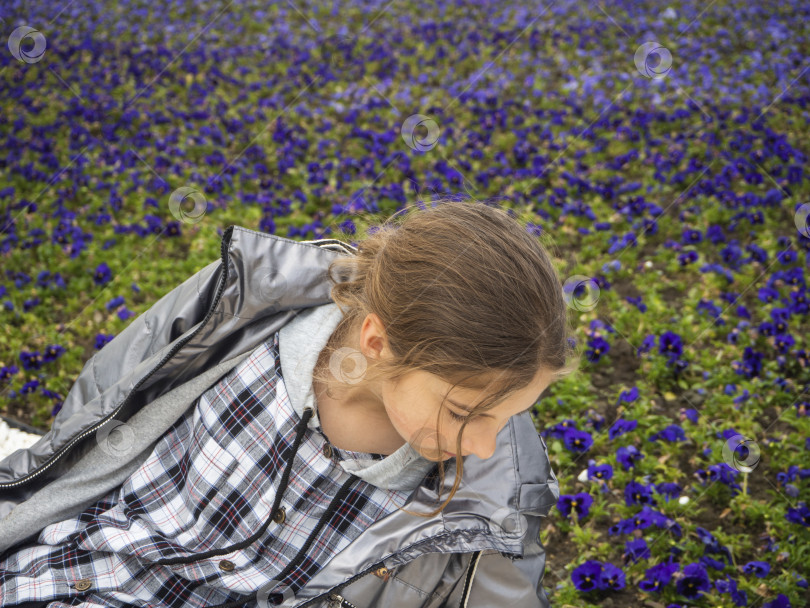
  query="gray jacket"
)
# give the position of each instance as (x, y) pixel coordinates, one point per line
(483, 550)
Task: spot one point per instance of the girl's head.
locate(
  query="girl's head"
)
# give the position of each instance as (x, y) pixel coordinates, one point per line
(452, 305)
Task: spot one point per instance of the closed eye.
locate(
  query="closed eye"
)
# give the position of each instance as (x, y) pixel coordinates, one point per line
(456, 417)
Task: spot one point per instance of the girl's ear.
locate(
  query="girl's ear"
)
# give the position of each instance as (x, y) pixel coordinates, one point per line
(373, 338)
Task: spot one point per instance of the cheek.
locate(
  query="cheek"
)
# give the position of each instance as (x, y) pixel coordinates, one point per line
(400, 421)
(412, 422)
(398, 412)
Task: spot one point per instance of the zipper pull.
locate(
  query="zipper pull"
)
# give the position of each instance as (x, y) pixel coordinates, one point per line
(335, 601)
(338, 601)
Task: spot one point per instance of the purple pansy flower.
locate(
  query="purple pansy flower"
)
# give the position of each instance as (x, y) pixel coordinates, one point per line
(671, 433)
(586, 576)
(577, 441)
(620, 427)
(781, 601)
(694, 582)
(758, 569)
(635, 550)
(612, 577)
(602, 472)
(729, 585)
(581, 503)
(799, 515)
(668, 490)
(637, 494)
(658, 576)
(628, 456)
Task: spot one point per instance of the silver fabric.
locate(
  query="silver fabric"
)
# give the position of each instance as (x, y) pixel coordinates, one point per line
(226, 310)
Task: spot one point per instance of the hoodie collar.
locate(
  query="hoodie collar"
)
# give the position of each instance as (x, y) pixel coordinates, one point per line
(300, 343)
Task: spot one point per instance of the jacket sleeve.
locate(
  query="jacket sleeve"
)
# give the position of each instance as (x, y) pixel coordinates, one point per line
(186, 305)
(113, 370)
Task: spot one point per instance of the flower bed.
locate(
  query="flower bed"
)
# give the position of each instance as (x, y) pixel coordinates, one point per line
(659, 150)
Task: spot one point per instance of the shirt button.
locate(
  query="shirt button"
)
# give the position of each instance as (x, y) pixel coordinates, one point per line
(280, 516)
(327, 450)
(83, 584)
(226, 565)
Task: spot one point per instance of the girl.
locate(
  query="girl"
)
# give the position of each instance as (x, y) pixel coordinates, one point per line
(284, 433)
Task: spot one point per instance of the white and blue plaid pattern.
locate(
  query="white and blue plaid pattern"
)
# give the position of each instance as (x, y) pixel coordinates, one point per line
(209, 483)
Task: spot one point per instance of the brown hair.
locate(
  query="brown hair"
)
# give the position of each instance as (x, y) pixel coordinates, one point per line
(464, 292)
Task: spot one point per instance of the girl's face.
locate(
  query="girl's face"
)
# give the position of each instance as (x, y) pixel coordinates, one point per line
(413, 404)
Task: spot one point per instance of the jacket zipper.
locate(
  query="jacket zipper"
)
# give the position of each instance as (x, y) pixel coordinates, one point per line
(471, 570)
(225, 237)
(332, 593)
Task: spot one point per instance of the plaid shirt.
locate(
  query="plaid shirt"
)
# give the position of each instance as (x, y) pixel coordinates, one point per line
(209, 483)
